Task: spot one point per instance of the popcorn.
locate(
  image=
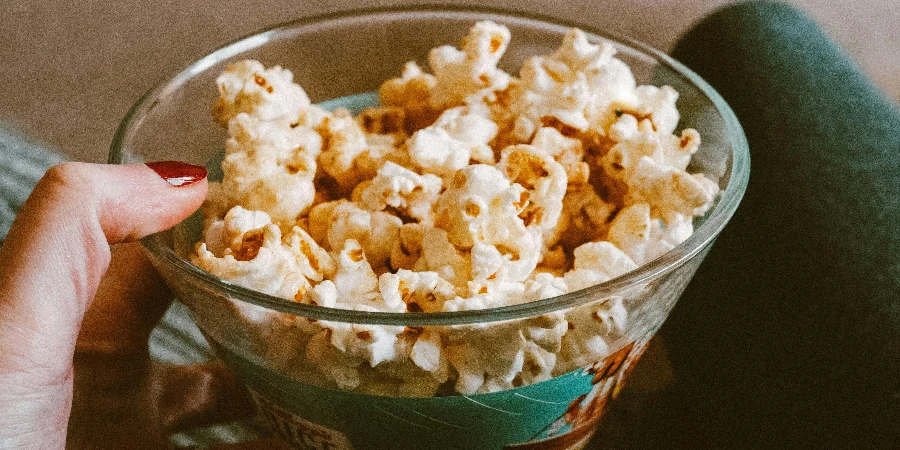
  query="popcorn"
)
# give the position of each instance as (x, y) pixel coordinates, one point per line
(482, 206)
(486, 361)
(567, 152)
(336, 222)
(591, 329)
(355, 280)
(429, 354)
(469, 73)
(668, 233)
(228, 233)
(345, 142)
(410, 194)
(669, 189)
(255, 260)
(630, 231)
(505, 355)
(585, 217)
(471, 207)
(544, 179)
(596, 262)
(386, 120)
(415, 291)
(314, 262)
(412, 92)
(441, 256)
(267, 94)
(544, 285)
(656, 104)
(459, 135)
(560, 88)
(465, 190)
(270, 166)
(408, 247)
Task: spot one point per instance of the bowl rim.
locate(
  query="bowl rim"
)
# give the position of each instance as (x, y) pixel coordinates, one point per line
(702, 237)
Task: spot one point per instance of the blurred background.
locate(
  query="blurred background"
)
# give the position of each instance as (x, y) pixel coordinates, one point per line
(69, 71)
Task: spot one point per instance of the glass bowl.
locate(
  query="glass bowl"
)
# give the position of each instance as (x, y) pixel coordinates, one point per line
(317, 399)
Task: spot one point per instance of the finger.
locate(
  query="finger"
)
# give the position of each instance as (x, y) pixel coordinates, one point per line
(198, 395)
(54, 257)
(58, 248)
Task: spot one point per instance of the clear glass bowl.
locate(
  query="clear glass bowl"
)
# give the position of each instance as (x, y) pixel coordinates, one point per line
(314, 398)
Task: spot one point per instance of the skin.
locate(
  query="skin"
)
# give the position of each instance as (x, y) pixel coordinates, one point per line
(78, 300)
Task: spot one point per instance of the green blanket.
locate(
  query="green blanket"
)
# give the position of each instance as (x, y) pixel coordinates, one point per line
(789, 336)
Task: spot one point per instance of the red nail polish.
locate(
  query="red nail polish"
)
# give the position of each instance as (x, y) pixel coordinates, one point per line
(178, 173)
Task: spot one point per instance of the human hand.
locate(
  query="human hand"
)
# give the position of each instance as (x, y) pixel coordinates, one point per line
(75, 369)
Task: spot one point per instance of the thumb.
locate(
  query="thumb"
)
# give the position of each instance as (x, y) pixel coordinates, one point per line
(58, 249)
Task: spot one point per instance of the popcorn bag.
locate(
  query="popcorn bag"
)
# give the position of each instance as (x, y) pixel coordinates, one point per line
(465, 259)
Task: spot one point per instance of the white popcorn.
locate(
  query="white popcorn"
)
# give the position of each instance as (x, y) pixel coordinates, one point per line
(267, 94)
(256, 260)
(597, 262)
(630, 231)
(415, 291)
(567, 152)
(467, 209)
(229, 232)
(324, 294)
(449, 144)
(482, 206)
(591, 329)
(544, 285)
(560, 89)
(465, 190)
(656, 104)
(428, 353)
(668, 233)
(668, 189)
(495, 357)
(403, 190)
(336, 222)
(545, 181)
(441, 256)
(380, 150)
(472, 71)
(270, 166)
(355, 280)
(486, 361)
(314, 262)
(345, 140)
(412, 92)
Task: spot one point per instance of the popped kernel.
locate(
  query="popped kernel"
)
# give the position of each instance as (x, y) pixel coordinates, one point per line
(459, 135)
(470, 72)
(249, 87)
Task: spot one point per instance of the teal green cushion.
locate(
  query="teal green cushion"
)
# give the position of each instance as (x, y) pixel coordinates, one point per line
(789, 336)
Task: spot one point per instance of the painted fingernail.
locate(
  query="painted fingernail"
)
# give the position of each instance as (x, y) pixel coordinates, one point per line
(178, 173)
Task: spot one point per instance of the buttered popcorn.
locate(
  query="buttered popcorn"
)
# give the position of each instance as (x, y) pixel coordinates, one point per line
(468, 188)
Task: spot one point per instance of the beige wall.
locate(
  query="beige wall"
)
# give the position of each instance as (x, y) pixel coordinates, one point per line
(71, 69)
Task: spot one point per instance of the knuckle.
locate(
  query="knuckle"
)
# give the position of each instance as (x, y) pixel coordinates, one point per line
(68, 178)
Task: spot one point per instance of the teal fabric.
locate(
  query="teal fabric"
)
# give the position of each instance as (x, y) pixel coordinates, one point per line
(789, 336)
